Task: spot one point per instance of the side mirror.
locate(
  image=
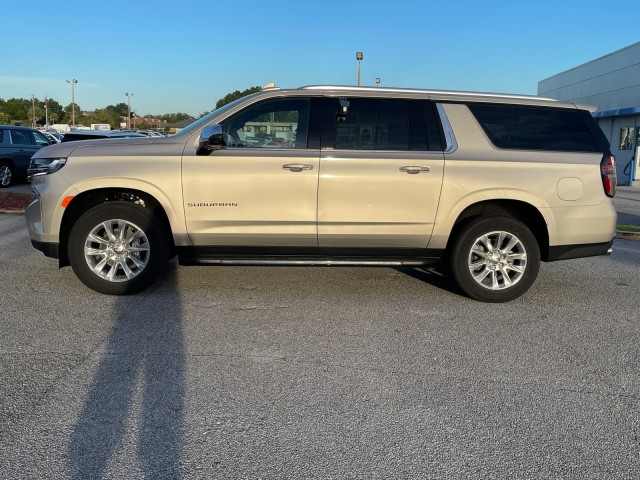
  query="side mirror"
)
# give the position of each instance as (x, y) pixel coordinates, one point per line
(211, 138)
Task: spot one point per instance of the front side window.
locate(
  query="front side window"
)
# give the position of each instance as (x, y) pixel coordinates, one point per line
(281, 123)
(40, 139)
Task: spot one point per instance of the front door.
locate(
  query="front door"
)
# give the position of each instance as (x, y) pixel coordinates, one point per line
(261, 189)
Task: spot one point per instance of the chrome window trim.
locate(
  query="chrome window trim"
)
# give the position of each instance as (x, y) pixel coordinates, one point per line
(449, 136)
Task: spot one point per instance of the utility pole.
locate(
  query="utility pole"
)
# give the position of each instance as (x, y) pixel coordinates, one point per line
(46, 112)
(33, 110)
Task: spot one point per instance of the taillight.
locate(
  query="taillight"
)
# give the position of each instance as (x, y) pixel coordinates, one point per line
(609, 176)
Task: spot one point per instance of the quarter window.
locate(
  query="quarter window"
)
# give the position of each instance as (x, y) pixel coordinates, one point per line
(536, 128)
(281, 123)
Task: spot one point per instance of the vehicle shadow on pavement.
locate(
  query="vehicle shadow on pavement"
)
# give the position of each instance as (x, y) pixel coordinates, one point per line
(132, 418)
(433, 276)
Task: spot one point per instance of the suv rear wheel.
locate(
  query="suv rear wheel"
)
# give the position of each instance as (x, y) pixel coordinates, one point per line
(117, 248)
(495, 259)
(6, 174)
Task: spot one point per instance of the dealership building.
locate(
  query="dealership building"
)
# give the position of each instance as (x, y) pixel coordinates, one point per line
(611, 84)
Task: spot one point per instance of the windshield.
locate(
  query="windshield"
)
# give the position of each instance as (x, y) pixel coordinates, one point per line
(204, 120)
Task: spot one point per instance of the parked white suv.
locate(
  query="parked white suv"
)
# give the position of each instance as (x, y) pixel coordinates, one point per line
(489, 185)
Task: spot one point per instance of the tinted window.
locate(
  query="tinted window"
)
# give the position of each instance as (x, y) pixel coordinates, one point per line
(380, 124)
(372, 124)
(282, 123)
(21, 137)
(2, 136)
(535, 128)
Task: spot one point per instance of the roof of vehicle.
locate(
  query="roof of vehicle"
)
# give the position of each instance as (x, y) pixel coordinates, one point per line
(444, 95)
(17, 127)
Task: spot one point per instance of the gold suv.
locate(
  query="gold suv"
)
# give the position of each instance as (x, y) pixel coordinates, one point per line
(487, 185)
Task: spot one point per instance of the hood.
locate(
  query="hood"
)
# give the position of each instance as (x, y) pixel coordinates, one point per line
(65, 149)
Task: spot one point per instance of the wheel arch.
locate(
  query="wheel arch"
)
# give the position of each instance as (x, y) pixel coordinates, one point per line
(526, 213)
(91, 198)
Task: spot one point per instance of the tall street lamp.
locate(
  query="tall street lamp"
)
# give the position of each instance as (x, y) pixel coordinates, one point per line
(359, 58)
(129, 95)
(73, 100)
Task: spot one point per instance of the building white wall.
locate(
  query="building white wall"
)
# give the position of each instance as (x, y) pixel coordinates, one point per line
(609, 83)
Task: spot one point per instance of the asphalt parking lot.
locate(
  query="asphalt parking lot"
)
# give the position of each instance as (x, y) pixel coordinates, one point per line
(265, 372)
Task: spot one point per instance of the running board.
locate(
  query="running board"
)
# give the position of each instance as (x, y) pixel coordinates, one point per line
(292, 262)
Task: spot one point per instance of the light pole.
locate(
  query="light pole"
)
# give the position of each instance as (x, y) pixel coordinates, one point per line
(129, 95)
(73, 101)
(359, 58)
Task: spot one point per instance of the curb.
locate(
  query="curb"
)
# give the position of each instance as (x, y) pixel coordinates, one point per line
(12, 212)
(628, 235)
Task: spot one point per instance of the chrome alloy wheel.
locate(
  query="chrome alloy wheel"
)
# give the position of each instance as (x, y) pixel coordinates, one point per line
(117, 250)
(5, 175)
(497, 260)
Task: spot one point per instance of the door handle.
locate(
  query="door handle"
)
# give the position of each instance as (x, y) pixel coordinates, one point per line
(414, 170)
(297, 167)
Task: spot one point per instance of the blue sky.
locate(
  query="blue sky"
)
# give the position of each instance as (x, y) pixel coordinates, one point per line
(182, 56)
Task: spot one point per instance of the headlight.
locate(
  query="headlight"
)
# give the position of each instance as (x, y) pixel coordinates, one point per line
(45, 166)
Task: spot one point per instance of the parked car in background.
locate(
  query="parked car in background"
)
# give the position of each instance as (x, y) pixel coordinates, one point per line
(53, 137)
(17, 145)
(96, 134)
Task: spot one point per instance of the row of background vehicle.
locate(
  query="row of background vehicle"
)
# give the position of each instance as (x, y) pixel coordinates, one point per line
(18, 144)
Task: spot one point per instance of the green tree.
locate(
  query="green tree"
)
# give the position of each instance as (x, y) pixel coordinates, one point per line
(120, 109)
(18, 110)
(68, 113)
(102, 116)
(56, 111)
(230, 97)
(174, 117)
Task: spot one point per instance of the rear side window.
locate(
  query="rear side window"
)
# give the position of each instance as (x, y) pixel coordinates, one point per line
(535, 128)
(380, 124)
(21, 137)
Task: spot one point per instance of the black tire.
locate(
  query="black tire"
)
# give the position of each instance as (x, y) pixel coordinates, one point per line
(6, 174)
(128, 263)
(504, 264)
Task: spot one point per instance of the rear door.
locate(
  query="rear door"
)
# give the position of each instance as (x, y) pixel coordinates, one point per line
(381, 171)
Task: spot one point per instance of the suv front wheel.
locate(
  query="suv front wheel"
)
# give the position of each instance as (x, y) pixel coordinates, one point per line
(117, 248)
(495, 259)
